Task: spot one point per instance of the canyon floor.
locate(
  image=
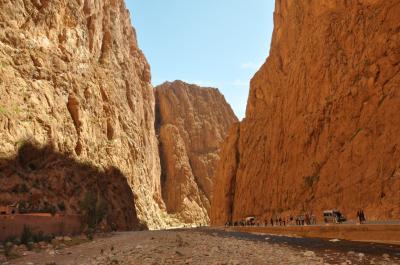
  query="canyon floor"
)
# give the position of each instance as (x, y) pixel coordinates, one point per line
(213, 246)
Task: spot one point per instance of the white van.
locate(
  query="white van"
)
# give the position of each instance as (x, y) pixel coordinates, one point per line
(334, 216)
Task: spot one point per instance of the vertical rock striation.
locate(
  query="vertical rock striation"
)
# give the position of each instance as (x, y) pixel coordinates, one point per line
(72, 77)
(322, 124)
(192, 122)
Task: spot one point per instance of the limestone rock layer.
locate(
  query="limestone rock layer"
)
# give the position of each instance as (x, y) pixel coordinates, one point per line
(322, 124)
(73, 78)
(192, 123)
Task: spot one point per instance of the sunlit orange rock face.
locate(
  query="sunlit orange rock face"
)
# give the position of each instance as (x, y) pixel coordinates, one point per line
(322, 125)
(192, 123)
(73, 78)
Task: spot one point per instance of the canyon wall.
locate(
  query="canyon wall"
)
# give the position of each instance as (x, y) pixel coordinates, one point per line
(192, 123)
(73, 81)
(322, 124)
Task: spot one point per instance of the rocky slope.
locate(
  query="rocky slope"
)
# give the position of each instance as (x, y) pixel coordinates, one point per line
(322, 124)
(73, 78)
(192, 122)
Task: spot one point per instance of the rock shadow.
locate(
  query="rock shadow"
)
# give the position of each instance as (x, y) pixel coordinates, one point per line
(40, 179)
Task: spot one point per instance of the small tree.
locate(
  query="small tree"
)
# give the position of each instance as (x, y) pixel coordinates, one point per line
(94, 209)
(22, 207)
(8, 246)
(61, 206)
(26, 235)
(101, 210)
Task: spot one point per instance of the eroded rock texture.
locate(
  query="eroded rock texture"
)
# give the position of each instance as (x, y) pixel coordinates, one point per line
(322, 124)
(192, 123)
(72, 77)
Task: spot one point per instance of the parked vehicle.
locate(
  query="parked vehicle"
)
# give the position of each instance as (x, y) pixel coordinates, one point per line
(334, 216)
(251, 220)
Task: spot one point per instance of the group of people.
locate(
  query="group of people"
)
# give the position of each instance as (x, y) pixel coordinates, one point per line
(361, 216)
(307, 219)
(300, 220)
(277, 222)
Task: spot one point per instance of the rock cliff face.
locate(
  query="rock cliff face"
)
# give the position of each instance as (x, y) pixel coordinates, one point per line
(73, 78)
(322, 123)
(192, 123)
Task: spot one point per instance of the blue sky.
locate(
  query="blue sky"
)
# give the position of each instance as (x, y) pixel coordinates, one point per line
(217, 43)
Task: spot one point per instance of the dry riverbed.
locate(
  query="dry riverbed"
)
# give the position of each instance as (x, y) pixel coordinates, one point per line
(189, 247)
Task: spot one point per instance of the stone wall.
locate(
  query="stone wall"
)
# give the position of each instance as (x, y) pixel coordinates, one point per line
(58, 225)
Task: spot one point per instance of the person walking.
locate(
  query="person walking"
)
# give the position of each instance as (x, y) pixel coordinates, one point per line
(362, 216)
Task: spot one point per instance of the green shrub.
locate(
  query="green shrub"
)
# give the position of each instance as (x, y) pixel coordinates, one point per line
(23, 207)
(23, 188)
(52, 210)
(48, 208)
(61, 206)
(30, 245)
(26, 235)
(28, 238)
(3, 111)
(11, 239)
(94, 209)
(90, 233)
(17, 241)
(38, 237)
(101, 210)
(8, 246)
(17, 110)
(20, 188)
(48, 238)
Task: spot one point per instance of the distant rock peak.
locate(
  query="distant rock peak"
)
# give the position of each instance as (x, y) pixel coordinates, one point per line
(192, 123)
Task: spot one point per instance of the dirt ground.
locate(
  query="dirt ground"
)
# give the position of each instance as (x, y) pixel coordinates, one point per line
(196, 246)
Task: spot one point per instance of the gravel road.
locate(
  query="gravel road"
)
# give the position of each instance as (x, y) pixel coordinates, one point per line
(215, 247)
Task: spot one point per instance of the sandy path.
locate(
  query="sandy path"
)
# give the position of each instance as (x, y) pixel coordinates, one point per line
(187, 247)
